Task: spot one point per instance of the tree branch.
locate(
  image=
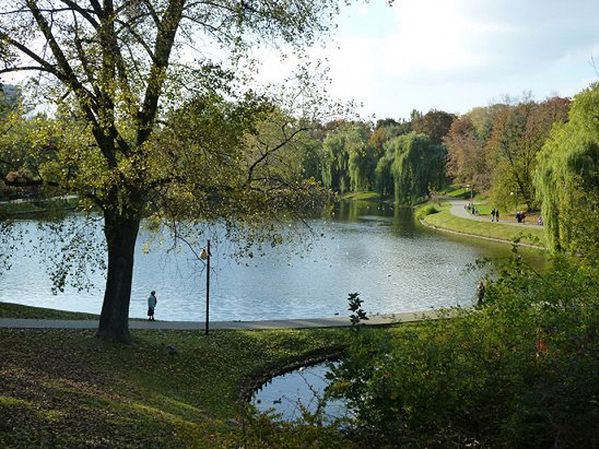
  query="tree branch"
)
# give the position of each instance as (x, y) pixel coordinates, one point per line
(165, 39)
(271, 151)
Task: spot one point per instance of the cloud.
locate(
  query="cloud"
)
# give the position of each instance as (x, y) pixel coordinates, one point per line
(461, 53)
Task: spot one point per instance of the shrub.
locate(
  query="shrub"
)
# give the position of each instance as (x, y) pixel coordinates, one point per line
(428, 209)
(520, 372)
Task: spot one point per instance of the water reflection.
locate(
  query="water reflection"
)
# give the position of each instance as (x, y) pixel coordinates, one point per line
(292, 394)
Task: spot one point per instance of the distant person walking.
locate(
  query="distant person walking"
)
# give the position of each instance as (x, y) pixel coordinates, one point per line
(497, 215)
(492, 215)
(152, 301)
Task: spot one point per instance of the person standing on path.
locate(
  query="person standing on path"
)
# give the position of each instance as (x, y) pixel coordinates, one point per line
(497, 215)
(152, 301)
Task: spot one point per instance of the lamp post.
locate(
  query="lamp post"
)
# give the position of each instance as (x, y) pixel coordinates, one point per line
(515, 195)
(205, 255)
(471, 188)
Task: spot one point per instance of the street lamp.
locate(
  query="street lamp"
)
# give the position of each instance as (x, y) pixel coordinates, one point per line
(205, 255)
(471, 188)
(515, 195)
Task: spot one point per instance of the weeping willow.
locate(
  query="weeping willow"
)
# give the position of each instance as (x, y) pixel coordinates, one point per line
(418, 166)
(334, 163)
(567, 178)
(348, 162)
(382, 176)
(361, 162)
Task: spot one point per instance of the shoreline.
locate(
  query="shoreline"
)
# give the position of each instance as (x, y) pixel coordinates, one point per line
(466, 234)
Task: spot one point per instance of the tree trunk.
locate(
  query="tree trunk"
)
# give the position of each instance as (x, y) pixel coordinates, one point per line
(121, 235)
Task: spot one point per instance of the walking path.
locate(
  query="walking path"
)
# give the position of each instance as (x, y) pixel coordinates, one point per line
(457, 209)
(374, 320)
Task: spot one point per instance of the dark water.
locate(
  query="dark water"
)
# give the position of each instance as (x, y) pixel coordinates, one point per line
(374, 249)
(290, 394)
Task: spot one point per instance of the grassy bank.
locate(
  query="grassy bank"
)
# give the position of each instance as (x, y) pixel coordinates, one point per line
(9, 310)
(362, 196)
(170, 389)
(38, 207)
(442, 218)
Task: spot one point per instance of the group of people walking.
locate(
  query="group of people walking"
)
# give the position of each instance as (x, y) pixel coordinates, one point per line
(470, 207)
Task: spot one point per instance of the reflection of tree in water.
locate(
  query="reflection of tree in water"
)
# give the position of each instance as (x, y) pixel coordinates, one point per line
(303, 397)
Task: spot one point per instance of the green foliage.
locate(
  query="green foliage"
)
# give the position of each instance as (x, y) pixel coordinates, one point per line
(355, 307)
(426, 210)
(418, 166)
(383, 177)
(357, 158)
(348, 163)
(567, 180)
(519, 373)
(334, 164)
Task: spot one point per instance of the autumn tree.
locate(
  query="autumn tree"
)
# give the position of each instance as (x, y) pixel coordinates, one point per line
(434, 124)
(517, 136)
(120, 72)
(466, 161)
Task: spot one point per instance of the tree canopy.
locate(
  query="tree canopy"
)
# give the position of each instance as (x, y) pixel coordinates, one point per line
(120, 77)
(567, 179)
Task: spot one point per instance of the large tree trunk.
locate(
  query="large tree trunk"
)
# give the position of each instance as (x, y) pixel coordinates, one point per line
(121, 234)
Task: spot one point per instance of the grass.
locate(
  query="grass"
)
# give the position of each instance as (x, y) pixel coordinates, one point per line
(485, 209)
(9, 310)
(426, 209)
(362, 196)
(66, 389)
(445, 220)
(461, 192)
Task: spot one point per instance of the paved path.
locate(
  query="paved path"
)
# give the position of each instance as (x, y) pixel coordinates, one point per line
(374, 320)
(457, 209)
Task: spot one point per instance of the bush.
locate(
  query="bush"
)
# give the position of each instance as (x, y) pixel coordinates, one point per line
(520, 372)
(428, 209)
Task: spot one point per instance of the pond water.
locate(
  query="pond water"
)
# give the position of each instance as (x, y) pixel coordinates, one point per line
(290, 394)
(374, 249)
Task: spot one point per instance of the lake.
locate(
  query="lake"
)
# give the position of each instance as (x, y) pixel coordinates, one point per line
(374, 249)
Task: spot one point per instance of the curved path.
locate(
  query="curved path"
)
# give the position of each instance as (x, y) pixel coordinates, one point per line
(374, 320)
(457, 209)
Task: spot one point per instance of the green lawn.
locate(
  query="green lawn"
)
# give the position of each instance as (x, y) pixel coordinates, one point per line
(66, 389)
(460, 192)
(445, 220)
(361, 196)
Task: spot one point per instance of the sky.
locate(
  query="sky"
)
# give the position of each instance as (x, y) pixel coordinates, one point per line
(453, 55)
(458, 54)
